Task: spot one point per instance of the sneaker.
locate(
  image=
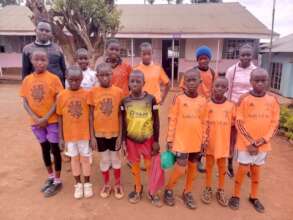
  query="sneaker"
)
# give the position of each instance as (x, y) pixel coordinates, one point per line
(169, 197)
(189, 200)
(47, 184)
(234, 203)
(221, 198)
(200, 167)
(257, 205)
(105, 191)
(88, 190)
(118, 192)
(78, 191)
(155, 200)
(134, 197)
(53, 189)
(207, 195)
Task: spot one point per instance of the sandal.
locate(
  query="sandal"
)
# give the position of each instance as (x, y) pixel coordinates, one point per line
(155, 200)
(169, 197)
(134, 197)
(257, 205)
(188, 200)
(221, 198)
(118, 192)
(234, 203)
(207, 195)
(105, 191)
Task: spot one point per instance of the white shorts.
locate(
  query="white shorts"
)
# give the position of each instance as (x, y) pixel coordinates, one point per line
(76, 148)
(244, 157)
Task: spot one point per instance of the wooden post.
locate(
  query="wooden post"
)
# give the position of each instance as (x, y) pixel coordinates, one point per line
(217, 59)
(173, 49)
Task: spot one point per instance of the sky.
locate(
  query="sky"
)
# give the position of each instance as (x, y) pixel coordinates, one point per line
(262, 9)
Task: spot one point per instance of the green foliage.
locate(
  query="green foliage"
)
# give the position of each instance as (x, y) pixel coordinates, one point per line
(286, 121)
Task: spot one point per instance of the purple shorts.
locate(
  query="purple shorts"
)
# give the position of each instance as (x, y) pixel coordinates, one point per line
(49, 133)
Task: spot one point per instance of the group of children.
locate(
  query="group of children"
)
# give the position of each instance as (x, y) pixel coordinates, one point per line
(119, 110)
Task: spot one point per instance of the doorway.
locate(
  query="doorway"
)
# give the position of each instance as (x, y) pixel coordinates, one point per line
(167, 57)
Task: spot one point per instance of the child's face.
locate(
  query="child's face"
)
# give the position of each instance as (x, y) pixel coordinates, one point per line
(146, 55)
(113, 50)
(39, 61)
(83, 61)
(203, 62)
(74, 80)
(43, 32)
(245, 56)
(191, 82)
(136, 83)
(220, 87)
(259, 82)
(105, 76)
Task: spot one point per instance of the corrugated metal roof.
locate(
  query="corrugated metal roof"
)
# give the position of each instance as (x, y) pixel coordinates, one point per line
(15, 20)
(282, 45)
(219, 18)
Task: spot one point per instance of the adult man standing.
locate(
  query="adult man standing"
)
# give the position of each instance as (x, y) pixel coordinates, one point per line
(43, 41)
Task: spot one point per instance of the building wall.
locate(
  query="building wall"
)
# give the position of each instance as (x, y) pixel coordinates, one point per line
(286, 87)
(14, 44)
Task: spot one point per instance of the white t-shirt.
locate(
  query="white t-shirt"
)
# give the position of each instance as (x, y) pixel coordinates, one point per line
(89, 79)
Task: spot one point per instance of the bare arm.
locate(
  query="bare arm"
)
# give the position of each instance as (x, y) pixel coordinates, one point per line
(165, 92)
(60, 130)
(29, 110)
(93, 141)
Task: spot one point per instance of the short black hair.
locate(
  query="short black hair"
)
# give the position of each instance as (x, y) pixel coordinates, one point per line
(138, 72)
(111, 41)
(246, 46)
(193, 70)
(145, 45)
(39, 50)
(73, 69)
(103, 66)
(81, 51)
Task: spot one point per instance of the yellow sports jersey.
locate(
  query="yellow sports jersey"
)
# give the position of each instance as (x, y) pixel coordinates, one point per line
(138, 117)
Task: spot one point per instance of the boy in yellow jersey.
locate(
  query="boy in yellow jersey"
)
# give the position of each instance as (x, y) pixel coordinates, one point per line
(140, 134)
(257, 122)
(185, 137)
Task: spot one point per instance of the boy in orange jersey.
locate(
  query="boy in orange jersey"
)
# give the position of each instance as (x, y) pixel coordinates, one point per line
(185, 137)
(203, 56)
(255, 109)
(218, 117)
(154, 75)
(39, 91)
(104, 104)
(121, 70)
(74, 132)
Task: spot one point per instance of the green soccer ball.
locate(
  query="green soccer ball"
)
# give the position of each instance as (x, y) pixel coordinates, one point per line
(167, 159)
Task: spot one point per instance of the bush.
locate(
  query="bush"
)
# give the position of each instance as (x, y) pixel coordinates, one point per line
(286, 122)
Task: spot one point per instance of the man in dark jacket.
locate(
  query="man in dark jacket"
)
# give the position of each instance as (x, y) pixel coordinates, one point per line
(43, 40)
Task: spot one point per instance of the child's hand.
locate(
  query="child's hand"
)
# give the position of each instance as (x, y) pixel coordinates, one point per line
(118, 144)
(61, 144)
(252, 150)
(124, 149)
(93, 144)
(155, 148)
(169, 145)
(260, 142)
(42, 122)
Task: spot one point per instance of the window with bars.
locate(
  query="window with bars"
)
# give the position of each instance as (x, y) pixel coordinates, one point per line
(276, 75)
(231, 47)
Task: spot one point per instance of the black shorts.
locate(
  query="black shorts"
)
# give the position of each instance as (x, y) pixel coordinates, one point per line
(106, 144)
(193, 157)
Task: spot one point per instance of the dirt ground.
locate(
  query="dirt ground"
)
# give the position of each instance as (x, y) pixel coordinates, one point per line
(22, 173)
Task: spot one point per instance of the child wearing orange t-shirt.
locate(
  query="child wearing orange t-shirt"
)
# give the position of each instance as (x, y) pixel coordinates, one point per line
(185, 137)
(257, 122)
(39, 91)
(104, 104)
(74, 130)
(154, 75)
(121, 70)
(218, 118)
